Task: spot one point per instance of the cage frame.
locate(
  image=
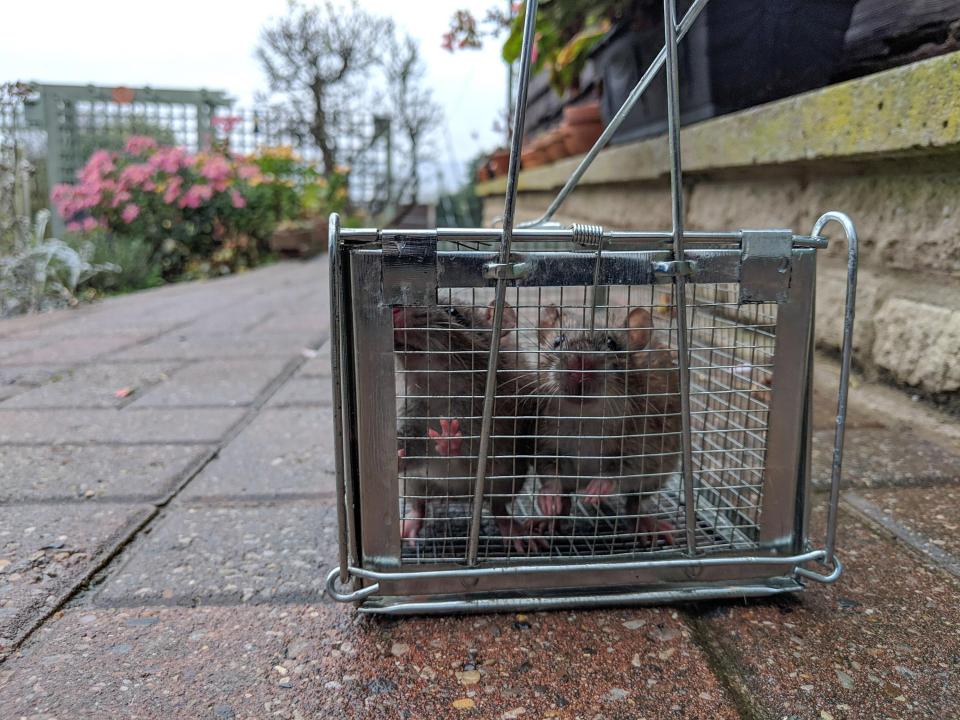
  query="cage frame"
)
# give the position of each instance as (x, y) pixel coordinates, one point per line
(372, 270)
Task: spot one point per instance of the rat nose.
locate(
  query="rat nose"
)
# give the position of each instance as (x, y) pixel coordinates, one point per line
(579, 368)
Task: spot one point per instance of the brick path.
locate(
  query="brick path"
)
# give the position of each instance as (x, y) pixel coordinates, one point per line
(162, 550)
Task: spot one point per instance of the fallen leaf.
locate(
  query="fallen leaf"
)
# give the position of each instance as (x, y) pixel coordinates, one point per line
(123, 392)
(464, 704)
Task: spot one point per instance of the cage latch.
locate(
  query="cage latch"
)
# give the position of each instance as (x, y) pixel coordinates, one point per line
(409, 268)
(765, 265)
(506, 271)
(672, 268)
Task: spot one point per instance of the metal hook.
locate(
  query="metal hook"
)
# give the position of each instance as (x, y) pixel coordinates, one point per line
(846, 357)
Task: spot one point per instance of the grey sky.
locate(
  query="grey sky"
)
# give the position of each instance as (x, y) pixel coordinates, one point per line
(210, 43)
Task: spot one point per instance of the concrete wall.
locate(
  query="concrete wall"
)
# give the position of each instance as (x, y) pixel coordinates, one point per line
(896, 174)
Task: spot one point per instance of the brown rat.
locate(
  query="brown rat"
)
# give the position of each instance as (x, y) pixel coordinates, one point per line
(608, 417)
(442, 357)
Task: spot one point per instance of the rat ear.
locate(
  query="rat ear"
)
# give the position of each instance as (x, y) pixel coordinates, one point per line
(639, 328)
(509, 316)
(549, 319)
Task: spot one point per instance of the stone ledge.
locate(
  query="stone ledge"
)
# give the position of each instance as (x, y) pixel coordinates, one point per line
(913, 109)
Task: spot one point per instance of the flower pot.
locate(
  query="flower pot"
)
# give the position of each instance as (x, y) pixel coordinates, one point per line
(553, 145)
(499, 162)
(584, 113)
(301, 240)
(577, 139)
(533, 157)
(483, 173)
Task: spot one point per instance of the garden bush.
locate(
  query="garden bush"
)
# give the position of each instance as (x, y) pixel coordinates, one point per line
(207, 213)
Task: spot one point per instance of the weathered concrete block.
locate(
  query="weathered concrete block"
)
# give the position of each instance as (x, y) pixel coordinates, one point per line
(919, 343)
(831, 297)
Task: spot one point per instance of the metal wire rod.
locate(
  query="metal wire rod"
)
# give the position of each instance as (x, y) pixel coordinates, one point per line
(695, 9)
(679, 281)
(846, 357)
(509, 207)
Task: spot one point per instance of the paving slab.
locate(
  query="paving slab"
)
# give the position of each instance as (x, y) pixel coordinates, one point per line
(205, 346)
(75, 349)
(101, 385)
(214, 382)
(884, 642)
(318, 366)
(130, 425)
(284, 450)
(94, 472)
(932, 512)
(228, 554)
(321, 661)
(879, 456)
(46, 549)
(303, 391)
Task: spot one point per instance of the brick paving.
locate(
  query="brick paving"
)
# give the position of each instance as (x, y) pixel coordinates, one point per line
(167, 518)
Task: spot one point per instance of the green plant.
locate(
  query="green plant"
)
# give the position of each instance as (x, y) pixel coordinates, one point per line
(133, 259)
(566, 32)
(204, 213)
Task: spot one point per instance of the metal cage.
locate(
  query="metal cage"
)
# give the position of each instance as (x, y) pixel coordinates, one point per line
(545, 417)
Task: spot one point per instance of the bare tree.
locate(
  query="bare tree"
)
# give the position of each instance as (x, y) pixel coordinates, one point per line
(414, 112)
(318, 57)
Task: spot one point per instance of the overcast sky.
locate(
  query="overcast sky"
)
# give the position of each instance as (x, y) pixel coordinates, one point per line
(209, 43)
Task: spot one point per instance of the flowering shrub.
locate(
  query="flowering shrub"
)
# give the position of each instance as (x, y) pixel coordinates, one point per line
(297, 188)
(202, 213)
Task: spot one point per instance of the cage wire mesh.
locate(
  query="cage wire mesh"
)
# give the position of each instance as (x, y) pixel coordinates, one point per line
(599, 411)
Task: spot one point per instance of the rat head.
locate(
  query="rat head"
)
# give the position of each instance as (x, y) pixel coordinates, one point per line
(454, 333)
(580, 364)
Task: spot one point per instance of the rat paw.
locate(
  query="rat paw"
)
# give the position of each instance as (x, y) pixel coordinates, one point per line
(448, 439)
(596, 489)
(654, 529)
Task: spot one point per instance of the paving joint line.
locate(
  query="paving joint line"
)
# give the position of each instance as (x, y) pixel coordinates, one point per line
(128, 537)
(919, 544)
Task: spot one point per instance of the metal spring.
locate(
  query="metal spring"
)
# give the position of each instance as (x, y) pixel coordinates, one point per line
(589, 237)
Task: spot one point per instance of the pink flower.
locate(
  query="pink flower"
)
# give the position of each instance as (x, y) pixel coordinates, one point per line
(237, 200)
(196, 196)
(225, 122)
(215, 169)
(246, 172)
(167, 159)
(136, 174)
(130, 213)
(138, 144)
(120, 198)
(173, 189)
(74, 226)
(88, 224)
(100, 163)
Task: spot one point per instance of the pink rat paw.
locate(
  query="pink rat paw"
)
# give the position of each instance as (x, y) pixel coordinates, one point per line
(656, 529)
(449, 439)
(597, 489)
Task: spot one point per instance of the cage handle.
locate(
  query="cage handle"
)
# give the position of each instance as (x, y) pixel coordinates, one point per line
(509, 208)
(845, 360)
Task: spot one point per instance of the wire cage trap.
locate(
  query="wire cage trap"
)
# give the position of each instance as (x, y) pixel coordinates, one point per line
(543, 416)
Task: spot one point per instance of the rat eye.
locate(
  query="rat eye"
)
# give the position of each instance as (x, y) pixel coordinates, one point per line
(561, 339)
(611, 343)
(455, 315)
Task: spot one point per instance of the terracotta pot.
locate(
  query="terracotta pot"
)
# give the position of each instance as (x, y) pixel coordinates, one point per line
(499, 162)
(554, 146)
(587, 113)
(483, 173)
(533, 157)
(579, 138)
(304, 240)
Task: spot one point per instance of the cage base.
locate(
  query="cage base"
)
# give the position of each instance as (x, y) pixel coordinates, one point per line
(509, 602)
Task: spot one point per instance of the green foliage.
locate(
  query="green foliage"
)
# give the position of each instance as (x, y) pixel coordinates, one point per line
(133, 259)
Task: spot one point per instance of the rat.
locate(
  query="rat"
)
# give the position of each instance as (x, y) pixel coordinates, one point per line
(608, 416)
(442, 357)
